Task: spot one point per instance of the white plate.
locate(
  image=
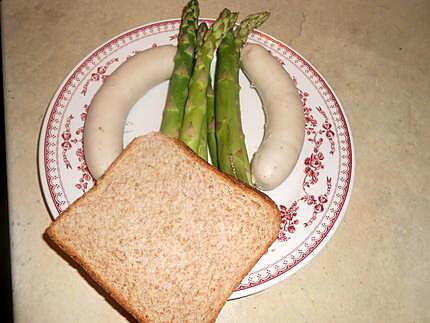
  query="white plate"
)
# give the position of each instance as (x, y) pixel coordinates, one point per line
(312, 200)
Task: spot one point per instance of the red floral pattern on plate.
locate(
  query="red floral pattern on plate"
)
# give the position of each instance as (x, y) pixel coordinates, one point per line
(75, 140)
(99, 74)
(313, 164)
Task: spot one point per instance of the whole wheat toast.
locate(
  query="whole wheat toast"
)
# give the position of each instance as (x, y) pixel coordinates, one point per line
(168, 236)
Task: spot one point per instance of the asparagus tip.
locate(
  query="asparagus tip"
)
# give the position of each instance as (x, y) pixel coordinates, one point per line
(248, 24)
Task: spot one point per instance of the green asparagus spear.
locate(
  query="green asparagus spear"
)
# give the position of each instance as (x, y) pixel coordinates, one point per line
(196, 104)
(208, 131)
(227, 98)
(202, 149)
(201, 32)
(232, 154)
(211, 125)
(184, 60)
(203, 144)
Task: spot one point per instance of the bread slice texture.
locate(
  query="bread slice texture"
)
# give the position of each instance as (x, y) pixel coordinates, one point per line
(165, 234)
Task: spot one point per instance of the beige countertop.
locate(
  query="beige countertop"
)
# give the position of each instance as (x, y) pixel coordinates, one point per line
(375, 54)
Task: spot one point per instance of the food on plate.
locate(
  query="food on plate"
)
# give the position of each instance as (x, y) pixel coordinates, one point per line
(177, 93)
(284, 127)
(231, 148)
(152, 235)
(202, 150)
(104, 126)
(196, 104)
(195, 113)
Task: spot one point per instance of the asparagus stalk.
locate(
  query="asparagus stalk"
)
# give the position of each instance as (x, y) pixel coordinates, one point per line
(203, 144)
(196, 104)
(208, 130)
(232, 153)
(211, 125)
(184, 60)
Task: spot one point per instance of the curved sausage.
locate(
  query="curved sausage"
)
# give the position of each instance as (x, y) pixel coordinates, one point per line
(284, 125)
(104, 126)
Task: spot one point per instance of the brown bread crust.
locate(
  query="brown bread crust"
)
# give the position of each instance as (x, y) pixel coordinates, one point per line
(142, 317)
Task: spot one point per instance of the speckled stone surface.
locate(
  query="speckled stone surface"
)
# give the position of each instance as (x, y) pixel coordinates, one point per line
(375, 54)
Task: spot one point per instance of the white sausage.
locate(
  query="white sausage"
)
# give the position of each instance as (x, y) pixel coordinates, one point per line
(284, 125)
(104, 126)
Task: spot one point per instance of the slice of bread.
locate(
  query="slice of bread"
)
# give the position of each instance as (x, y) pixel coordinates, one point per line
(168, 236)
